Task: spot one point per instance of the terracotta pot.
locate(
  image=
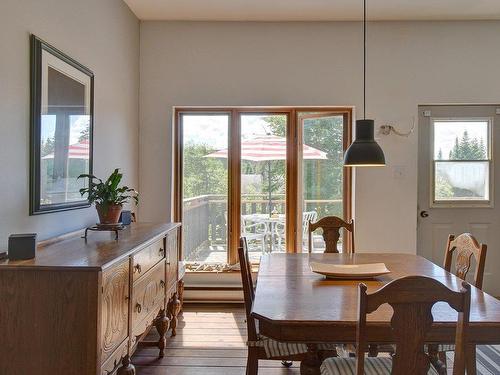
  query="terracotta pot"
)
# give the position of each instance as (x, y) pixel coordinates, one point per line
(109, 213)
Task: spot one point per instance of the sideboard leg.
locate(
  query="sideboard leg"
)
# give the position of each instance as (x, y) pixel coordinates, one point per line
(180, 288)
(175, 306)
(127, 367)
(162, 323)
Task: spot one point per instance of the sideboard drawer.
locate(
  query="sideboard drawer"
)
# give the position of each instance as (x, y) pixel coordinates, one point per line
(148, 294)
(146, 258)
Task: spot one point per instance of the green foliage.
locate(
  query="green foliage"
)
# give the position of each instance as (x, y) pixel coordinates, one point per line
(322, 178)
(468, 149)
(47, 147)
(443, 188)
(203, 175)
(107, 192)
(84, 135)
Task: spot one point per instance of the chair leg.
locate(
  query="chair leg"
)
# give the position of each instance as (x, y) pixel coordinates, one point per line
(438, 359)
(252, 365)
(470, 358)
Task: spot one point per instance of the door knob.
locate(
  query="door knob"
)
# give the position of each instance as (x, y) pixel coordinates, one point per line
(424, 214)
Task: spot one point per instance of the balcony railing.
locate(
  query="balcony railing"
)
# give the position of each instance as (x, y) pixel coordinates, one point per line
(205, 217)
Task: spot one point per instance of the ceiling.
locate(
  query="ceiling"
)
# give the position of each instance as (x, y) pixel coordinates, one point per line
(314, 10)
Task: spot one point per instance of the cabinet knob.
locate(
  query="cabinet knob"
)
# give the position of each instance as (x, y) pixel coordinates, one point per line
(138, 308)
(137, 268)
(162, 283)
(161, 251)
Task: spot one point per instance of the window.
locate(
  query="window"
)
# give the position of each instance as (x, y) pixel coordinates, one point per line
(258, 172)
(461, 172)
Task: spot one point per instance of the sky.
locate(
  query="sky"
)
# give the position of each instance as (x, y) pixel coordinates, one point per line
(78, 124)
(445, 133)
(213, 129)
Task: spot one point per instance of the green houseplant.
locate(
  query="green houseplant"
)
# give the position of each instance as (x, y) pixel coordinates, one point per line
(108, 196)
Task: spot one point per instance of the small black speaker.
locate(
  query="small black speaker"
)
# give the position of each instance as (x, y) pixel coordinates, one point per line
(22, 246)
(126, 217)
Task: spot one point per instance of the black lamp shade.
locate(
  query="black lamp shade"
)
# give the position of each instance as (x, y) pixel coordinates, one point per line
(364, 151)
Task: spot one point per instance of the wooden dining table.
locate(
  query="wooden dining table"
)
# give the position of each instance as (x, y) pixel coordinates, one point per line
(294, 304)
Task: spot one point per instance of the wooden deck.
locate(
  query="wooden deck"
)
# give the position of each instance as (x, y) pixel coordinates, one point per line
(210, 341)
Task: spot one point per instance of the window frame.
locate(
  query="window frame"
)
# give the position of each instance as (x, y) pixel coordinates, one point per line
(462, 203)
(234, 167)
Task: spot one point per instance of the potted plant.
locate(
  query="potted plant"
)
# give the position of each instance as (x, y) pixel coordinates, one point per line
(108, 196)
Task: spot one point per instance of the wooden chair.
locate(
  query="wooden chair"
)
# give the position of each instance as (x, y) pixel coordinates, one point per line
(331, 226)
(465, 246)
(411, 298)
(261, 347)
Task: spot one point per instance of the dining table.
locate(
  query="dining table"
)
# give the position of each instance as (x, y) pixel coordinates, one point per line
(271, 222)
(294, 304)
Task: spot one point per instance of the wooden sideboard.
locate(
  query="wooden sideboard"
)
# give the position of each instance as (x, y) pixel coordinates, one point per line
(83, 306)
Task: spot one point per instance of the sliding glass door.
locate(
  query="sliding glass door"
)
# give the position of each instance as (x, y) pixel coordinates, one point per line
(262, 173)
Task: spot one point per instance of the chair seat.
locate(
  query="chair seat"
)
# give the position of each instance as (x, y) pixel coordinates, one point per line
(373, 366)
(443, 348)
(279, 349)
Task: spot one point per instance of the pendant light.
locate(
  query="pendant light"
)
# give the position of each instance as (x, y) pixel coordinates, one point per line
(364, 151)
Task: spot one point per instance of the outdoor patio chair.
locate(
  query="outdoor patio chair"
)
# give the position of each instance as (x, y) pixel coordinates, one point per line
(254, 231)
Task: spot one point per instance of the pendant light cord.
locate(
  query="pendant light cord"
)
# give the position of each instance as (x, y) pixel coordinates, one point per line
(364, 59)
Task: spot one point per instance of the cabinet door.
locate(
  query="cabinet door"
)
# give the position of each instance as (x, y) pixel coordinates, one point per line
(172, 258)
(115, 300)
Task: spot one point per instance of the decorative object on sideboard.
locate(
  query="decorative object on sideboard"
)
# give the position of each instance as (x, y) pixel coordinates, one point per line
(126, 217)
(22, 246)
(3, 255)
(62, 113)
(108, 197)
(105, 228)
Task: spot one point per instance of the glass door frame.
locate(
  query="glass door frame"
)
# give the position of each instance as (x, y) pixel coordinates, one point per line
(292, 220)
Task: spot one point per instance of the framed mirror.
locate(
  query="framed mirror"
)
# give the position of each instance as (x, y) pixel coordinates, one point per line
(62, 92)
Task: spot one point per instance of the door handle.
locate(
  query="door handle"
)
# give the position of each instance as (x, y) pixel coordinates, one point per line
(424, 214)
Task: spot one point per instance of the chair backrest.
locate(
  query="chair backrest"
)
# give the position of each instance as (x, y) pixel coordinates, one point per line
(248, 290)
(331, 226)
(411, 299)
(466, 246)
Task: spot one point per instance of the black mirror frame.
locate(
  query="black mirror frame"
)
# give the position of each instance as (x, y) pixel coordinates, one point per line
(37, 45)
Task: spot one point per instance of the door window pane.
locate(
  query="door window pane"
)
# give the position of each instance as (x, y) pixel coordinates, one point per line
(462, 181)
(263, 182)
(461, 140)
(461, 152)
(205, 187)
(322, 174)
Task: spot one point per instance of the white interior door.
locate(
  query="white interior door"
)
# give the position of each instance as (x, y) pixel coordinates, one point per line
(457, 186)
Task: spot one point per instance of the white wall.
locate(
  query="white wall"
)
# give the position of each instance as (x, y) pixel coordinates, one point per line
(102, 35)
(409, 63)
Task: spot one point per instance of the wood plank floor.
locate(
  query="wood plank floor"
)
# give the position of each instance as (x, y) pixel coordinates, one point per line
(210, 341)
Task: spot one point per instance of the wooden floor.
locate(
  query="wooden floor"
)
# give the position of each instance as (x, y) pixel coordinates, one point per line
(210, 341)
